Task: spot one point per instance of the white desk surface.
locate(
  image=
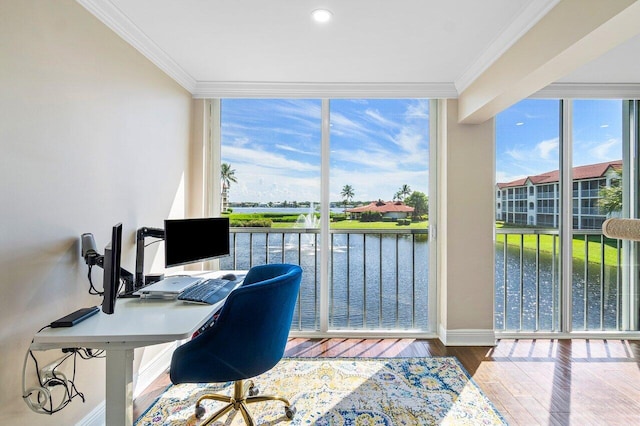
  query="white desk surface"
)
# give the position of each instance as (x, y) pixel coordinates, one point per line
(134, 323)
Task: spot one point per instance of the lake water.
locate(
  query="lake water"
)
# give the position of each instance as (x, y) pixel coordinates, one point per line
(375, 296)
(380, 281)
(540, 287)
(282, 210)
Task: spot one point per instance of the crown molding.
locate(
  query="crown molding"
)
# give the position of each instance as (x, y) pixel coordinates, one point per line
(529, 16)
(117, 21)
(206, 89)
(589, 90)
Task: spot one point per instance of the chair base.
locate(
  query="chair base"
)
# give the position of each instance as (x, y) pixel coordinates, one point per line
(244, 392)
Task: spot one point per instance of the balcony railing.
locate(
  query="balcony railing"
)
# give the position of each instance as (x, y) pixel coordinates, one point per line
(528, 281)
(378, 279)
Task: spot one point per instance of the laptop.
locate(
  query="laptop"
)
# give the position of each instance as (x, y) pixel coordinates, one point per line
(167, 288)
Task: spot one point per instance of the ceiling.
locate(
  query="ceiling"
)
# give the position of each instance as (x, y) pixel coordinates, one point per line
(442, 45)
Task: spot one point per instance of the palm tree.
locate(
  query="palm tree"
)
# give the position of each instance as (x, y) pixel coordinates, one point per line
(403, 192)
(227, 175)
(347, 194)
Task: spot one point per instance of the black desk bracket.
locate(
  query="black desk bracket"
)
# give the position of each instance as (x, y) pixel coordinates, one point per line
(141, 234)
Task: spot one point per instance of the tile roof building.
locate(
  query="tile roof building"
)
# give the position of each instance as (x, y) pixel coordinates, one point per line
(535, 200)
(390, 209)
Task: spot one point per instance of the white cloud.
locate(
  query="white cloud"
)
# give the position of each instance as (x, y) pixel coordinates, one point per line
(299, 151)
(343, 126)
(545, 148)
(605, 151)
(379, 119)
(254, 157)
(418, 110)
(516, 154)
(505, 177)
(410, 140)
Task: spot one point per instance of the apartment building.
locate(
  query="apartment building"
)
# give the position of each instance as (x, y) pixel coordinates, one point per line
(535, 200)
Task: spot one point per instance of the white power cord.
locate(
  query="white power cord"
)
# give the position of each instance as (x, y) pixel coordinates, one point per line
(39, 398)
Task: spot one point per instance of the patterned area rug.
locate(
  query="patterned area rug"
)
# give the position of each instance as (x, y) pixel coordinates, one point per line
(346, 391)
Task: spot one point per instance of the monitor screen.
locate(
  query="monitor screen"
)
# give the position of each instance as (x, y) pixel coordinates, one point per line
(195, 240)
(111, 266)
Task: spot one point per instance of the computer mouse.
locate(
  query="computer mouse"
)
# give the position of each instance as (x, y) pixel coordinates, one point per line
(229, 276)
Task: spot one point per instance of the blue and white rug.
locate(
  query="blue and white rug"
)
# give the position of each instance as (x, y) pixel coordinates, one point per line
(346, 391)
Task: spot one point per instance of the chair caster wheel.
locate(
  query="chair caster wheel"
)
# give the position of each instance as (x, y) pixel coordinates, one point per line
(253, 391)
(290, 412)
(199, 412)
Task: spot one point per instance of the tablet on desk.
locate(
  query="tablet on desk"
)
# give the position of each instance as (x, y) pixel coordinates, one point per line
(168, 287)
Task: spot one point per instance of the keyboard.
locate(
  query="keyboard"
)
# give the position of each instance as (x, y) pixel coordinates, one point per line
(207, 291)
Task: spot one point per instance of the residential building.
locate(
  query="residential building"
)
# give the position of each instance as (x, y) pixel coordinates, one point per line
(535, 200)
(387, 209)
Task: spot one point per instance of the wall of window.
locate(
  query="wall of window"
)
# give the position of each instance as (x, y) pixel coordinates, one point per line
(357, 190)
(578, 145)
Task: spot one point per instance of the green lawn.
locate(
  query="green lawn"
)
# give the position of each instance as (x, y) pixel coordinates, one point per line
(354, 224)
(546, 246)
(530, 243)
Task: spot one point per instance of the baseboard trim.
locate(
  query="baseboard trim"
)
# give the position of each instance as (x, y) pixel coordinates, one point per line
(467, 337)
(96, 417)
(153, 369)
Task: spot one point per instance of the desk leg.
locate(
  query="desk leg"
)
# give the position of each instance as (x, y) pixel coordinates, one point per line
(119, 392)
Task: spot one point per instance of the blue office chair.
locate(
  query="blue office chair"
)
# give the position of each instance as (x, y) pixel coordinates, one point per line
(247, 339)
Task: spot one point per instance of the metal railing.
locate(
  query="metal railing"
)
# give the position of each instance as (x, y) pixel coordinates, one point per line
(378, 279)
(528, 290)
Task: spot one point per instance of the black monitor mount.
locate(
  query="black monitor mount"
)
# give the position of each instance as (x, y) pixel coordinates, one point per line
(92, 257)
(141, 234)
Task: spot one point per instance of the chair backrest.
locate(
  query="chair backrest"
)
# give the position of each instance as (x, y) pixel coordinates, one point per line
(250, 334)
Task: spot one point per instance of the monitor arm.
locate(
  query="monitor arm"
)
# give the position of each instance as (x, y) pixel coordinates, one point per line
(92, 257)
(141, 234)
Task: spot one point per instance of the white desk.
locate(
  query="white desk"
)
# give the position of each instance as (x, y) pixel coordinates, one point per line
(134, 323)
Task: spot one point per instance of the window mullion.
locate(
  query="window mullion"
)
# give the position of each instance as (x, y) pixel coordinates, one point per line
(324, 218)
(566, 215)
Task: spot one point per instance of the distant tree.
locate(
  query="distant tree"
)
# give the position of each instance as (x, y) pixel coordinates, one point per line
(227, 175)
(420, 203)
(611, 197)
(347, 195)
(402, 193)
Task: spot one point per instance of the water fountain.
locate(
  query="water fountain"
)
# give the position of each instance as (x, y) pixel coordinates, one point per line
(306, 221)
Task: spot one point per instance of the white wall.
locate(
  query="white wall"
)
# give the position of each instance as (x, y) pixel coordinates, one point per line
(466, 222)
(91, 134)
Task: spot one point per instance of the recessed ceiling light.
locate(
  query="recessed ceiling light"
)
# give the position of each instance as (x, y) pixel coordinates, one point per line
(321, 15)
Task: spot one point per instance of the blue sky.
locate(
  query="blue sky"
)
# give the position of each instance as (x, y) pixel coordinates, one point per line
(527, 136)
(274, 147)
(378, 145)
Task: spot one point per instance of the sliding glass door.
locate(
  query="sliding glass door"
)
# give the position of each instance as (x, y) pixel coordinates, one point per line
(365, 218)
(555, 271)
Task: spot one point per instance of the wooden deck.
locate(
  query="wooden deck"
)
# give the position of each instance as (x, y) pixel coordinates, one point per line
(531, 382)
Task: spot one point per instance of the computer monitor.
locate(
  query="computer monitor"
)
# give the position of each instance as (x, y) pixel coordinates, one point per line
(195, 240)
(111, 266)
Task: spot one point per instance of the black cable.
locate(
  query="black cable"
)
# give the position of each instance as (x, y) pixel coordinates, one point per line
(92, 289)
(154, 242)
(70, 389)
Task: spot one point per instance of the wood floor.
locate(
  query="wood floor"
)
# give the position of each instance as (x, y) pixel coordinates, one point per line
(531, 382)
